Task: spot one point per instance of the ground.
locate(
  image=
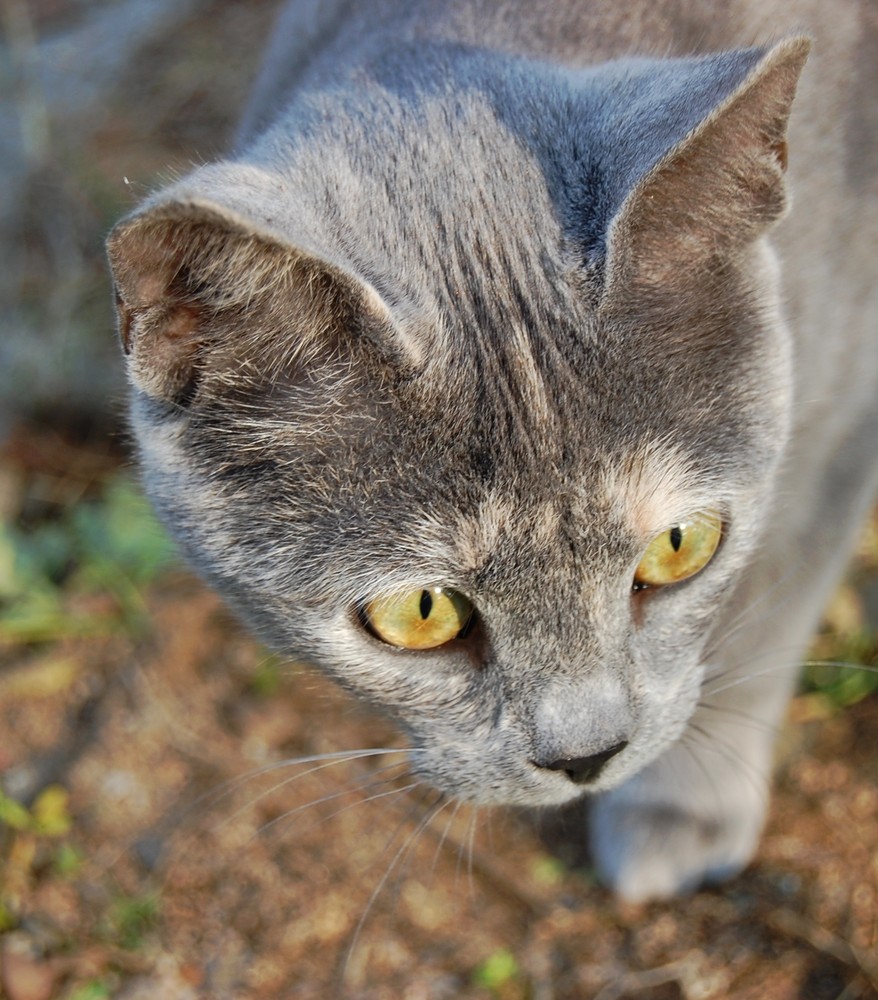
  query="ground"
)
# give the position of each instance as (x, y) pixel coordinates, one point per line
(162, 835)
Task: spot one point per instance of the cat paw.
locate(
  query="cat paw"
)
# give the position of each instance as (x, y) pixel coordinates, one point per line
(654, 850)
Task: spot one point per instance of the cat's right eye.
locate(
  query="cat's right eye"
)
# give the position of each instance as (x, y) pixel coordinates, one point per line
(680, 552)
(419, 619)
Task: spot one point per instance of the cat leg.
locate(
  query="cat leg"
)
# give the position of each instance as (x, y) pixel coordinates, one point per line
(695, 815)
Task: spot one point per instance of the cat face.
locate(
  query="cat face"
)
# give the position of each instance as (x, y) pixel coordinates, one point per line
(564, 446)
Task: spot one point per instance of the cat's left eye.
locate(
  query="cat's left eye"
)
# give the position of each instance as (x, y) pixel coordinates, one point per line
(680, 552)
(419, 619)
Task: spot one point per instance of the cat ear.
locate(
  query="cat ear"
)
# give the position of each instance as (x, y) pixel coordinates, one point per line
(713, 192)
(203, 292)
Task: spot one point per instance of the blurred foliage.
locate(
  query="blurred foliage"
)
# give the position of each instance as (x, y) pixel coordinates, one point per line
(549, 870)
(850, 679)
(68, 860)
(843, 665)
(48, 817)
(112, 546)
(95, 990)
(130, 919)
(497, 971)
(268, 676)
(30, 835)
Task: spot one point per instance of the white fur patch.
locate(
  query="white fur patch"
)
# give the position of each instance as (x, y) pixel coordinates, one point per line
(656, 488)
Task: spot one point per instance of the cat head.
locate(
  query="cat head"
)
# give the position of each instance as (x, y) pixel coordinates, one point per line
(475, 397)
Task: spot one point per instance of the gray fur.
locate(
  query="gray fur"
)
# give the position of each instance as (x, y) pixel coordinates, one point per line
(488, 296)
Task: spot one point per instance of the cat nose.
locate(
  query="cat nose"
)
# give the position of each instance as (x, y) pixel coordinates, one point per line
(582, 770)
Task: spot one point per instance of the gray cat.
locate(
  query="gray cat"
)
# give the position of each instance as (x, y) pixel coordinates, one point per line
(483, 376)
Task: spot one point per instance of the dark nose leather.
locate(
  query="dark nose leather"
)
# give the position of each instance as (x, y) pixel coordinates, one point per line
(582, 770)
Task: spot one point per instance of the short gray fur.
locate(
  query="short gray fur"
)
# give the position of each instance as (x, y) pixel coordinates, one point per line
(489, 294)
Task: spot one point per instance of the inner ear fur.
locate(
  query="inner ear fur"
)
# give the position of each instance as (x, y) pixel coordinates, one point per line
(201, 301)
(715, 191)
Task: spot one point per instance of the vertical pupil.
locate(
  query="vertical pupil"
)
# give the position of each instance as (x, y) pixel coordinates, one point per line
(426, 605)
(676, 537)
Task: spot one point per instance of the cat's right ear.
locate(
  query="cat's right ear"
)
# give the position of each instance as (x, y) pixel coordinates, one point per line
(714, 191)
(205, 296)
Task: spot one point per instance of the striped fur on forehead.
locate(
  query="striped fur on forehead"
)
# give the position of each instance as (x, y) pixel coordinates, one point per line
(655, 487)
(476, 254)
(449, 547)
(478, 536)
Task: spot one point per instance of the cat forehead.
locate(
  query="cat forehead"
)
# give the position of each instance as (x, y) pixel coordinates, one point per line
(636, 496)
(654, 487)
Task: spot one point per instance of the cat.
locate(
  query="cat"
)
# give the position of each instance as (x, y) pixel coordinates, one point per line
(488, 375)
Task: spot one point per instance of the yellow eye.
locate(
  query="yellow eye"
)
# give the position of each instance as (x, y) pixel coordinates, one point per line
(681, 551)
(420, 619)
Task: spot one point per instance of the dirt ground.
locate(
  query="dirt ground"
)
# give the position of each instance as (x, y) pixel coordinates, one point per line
(183, 816)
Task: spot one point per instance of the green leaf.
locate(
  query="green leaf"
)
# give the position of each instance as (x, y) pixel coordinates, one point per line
(14, 815)
(122, 535)
(112, 545)
(267, 677)
(850, 680)
(497, 970)
(7, 920)
(548, 870)
(131, 918)
(95, 990)
(67, 861)
(50, 812)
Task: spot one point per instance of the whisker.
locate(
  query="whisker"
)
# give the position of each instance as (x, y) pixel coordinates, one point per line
(779, 671)
(790, 654)
(842, 665)
(213, 797)
(295, 777)
(225, 789)
(333, 796)
(713, 744)
(743, 619)
(785, 663)
(470, 850)
(403, 849)
(444, 835)
(689, 744)
(747, 718)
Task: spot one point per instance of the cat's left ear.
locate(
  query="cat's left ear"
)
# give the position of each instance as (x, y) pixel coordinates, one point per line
(218, 277)
(714, 192)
